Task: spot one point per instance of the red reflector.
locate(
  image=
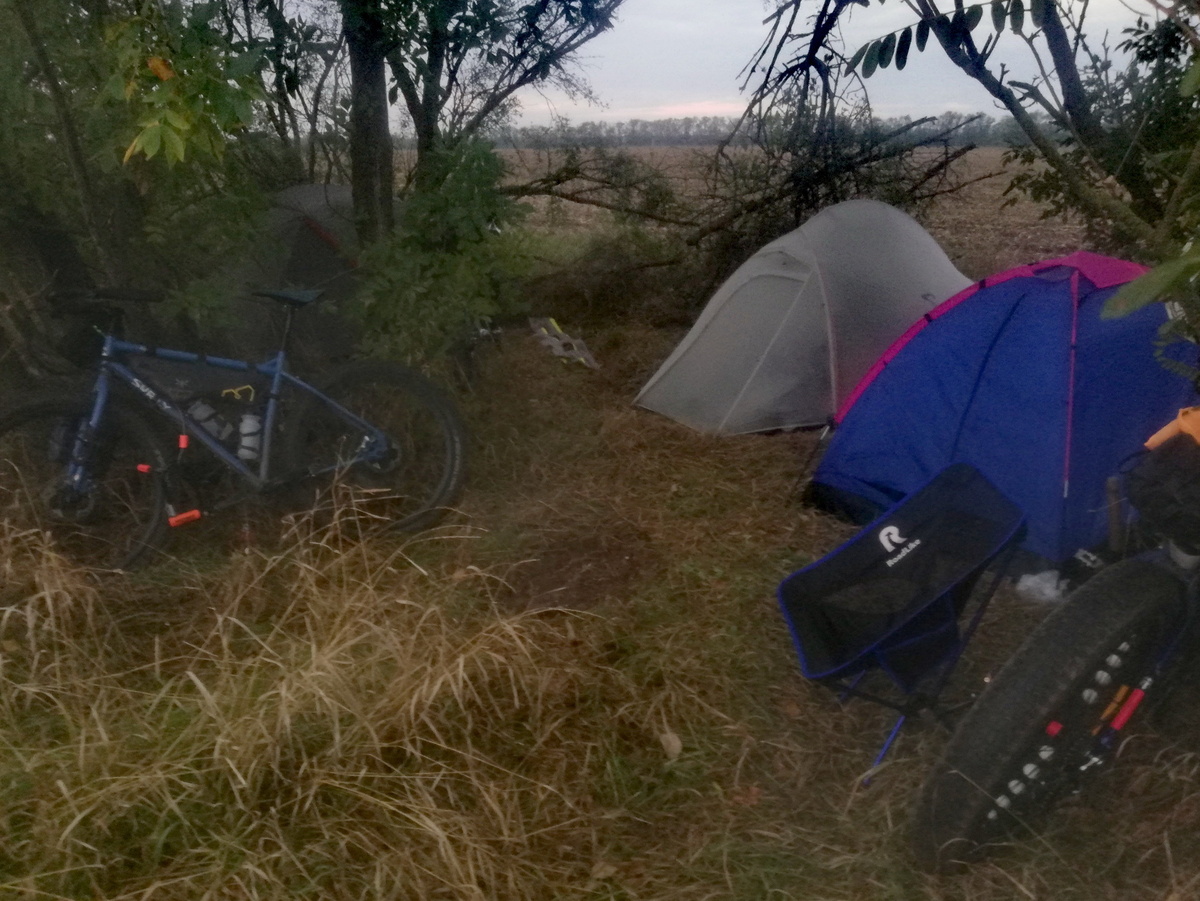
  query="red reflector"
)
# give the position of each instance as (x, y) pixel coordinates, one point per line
(143, 467)
(1053, 728)
(1127, 709)
(183, 518)
(183, 442)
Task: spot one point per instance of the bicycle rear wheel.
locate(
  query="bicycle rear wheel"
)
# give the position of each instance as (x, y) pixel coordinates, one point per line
(1051, 716)
(116, 514)
(412, 483)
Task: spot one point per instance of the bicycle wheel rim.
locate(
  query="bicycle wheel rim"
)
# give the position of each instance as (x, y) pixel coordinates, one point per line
(408, 482)
(114, 517)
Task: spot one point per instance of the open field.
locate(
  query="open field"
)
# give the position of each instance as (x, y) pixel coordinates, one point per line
(981, 228)
(579, 687)
(982, 235)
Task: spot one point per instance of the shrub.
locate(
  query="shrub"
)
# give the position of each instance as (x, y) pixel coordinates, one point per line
(451, 264)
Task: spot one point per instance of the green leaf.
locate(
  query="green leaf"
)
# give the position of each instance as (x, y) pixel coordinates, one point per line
(887, 47)
(202, 14)
(160, 95)
(999, 14)
(1016, 15)
(857, 58)
(1160, 283)
(243, 65)
(203, 141)
(871, 60)
(173, 145)
(150, 140)
(944, 29)
(972, 16)
(902, 48)
(114, 88)
(1037, 12)
(243, 109)
(1191, 80)
(922, 35)
(176, 120)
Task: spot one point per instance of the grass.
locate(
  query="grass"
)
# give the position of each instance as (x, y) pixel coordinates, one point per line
(577, 688)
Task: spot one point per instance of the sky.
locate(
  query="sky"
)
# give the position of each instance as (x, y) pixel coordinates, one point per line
(677, 58)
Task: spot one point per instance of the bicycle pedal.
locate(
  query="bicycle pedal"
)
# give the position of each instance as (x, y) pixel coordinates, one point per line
(182, 519)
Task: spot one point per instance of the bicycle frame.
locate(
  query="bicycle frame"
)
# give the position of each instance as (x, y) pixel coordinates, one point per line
(115, 350)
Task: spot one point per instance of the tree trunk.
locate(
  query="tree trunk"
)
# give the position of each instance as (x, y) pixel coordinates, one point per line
(372, 173)
(1124, 161)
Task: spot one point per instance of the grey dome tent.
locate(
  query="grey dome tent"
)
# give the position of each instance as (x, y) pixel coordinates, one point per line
(788, 336)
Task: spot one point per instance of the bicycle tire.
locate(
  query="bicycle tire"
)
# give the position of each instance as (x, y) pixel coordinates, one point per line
(424, 474)
(119, 517)
(1032, 735)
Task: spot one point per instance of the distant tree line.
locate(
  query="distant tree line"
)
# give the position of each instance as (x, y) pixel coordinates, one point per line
(691, 131)
(958, 129)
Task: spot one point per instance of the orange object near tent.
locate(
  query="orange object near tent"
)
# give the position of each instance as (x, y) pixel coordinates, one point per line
(1186, 423)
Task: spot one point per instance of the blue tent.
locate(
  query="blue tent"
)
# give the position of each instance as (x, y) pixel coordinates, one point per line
(1019, 376)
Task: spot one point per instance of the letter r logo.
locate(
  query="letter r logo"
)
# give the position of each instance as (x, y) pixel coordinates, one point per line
(890, 538)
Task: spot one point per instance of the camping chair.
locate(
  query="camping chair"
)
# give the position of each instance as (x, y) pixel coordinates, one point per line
(891, 598)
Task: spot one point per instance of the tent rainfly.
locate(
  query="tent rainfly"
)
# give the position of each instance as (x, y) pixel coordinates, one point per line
(306, 240)
(1022, 377)
(784, 341)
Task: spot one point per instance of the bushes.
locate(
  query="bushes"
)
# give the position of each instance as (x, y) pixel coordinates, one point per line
(451, 264)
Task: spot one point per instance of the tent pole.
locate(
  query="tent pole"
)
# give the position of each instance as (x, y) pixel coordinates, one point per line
(805, 473)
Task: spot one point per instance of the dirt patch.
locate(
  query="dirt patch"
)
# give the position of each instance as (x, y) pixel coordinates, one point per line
(581, 568)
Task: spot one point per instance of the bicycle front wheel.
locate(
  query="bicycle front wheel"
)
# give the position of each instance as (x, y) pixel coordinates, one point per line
(114, 514)
(408, 485)
(1052, 715)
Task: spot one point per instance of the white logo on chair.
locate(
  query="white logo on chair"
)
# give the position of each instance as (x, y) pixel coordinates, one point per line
(890, 538)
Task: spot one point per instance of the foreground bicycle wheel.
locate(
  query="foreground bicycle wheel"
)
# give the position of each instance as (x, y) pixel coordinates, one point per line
(413, 484)
(1051, 716)
(116, 514)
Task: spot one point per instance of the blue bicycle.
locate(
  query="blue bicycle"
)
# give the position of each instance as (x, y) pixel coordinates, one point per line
(106, 473)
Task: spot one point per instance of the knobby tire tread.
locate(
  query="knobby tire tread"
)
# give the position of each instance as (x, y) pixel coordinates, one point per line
(949, 825)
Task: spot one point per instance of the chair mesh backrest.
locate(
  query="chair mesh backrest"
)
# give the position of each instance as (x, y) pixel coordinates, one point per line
(891, 596)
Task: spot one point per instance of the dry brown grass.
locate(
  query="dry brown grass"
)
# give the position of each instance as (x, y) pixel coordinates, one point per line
(709, 525)
(412, 719)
